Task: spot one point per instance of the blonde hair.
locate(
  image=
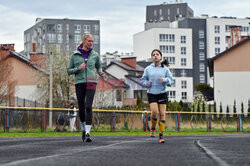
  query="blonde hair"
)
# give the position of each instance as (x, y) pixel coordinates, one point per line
(84, 37)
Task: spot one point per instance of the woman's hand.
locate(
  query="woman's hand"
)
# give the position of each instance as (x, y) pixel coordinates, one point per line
(82, 66)
(102, 74)
(149, 83)
(161, 80)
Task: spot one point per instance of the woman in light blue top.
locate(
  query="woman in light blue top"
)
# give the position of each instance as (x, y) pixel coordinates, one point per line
(156, 77)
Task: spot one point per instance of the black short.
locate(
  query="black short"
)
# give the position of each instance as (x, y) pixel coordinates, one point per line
(159, 98)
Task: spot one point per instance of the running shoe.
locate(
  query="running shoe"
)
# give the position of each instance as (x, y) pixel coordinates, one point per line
(83, 135)
(88, 139)
(161, 139)
(152, 133)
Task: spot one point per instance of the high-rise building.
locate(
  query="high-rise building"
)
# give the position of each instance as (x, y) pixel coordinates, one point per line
(62, 34)
(168, 12)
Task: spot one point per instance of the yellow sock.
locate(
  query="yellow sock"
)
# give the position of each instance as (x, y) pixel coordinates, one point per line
(153, 121)
(162, 125)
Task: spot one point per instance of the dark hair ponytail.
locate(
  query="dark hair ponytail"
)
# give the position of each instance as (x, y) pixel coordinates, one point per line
(165, 62)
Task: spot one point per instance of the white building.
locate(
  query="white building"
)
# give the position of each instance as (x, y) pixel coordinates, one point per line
(218, 33)
(176, 46)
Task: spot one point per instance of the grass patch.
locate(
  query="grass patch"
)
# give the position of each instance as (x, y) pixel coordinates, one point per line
(51, 133)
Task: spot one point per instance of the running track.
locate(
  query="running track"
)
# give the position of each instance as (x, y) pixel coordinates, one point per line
(127, 150)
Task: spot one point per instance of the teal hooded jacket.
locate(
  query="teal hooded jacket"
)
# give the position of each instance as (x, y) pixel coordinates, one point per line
(87, 74)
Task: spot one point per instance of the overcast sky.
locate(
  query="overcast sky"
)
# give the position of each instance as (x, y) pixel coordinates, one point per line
(119, 19)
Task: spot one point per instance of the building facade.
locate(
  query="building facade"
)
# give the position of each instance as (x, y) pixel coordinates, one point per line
(168, 12)
(231, 72)
(199, 47)
(64, 35)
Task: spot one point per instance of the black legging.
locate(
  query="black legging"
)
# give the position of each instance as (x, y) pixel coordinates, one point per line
(85, 93)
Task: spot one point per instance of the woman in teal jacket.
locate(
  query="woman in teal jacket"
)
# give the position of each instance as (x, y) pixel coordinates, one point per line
(82, 64)
(156, 77)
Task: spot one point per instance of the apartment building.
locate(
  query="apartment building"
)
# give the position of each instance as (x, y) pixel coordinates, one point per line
(168, 12)
(63, 35)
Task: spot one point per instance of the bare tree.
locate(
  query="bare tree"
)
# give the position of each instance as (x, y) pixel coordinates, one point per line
(7, 84)
(63, 84)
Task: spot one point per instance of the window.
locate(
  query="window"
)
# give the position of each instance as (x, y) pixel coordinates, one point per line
(59, 28)
(202, 67)
(51, 38)
(77, 39)
(217, 40)
(167, 49)
(201, 45)
(202, 56)
(77, 28)
(118, 95)
(171, 60)
(67, 38)
(155, 12)
(178, 11)
(160, 12)
(202, 78)
(171, 38)
(171, 94)
(43, 48)
(96, 39)
(58, 48)
(51, 28)
(183, 50)
(183, 84)
(140, 93)
(216, 29)
(86, 28)
(183, 39)
(183, 73)
(227, 38)
(244, 29)
(184, 95)
(168, 11)
(167, 38)
(96, 28)
(183, 61)
(201, 34)
(227, 28)
(59, 38)
(67, 28)
(217, 51)
(173, 85)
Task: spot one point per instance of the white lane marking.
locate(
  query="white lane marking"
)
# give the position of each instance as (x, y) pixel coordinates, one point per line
(212, 155)
(69, 153)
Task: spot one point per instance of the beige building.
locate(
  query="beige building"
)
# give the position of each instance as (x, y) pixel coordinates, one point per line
(25, 73)
(231, 74)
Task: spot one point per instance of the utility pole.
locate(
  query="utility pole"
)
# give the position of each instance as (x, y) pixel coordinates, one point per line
(50, 88)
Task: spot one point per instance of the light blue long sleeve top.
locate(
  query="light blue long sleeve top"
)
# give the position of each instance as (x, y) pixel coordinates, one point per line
(153, 73)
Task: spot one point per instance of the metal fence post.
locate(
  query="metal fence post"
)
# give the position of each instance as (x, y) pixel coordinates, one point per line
(113, 121)
(239, 123)
(7, 120)
(44, 120)
(209, 122)
(79, 122)
(177, 122)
